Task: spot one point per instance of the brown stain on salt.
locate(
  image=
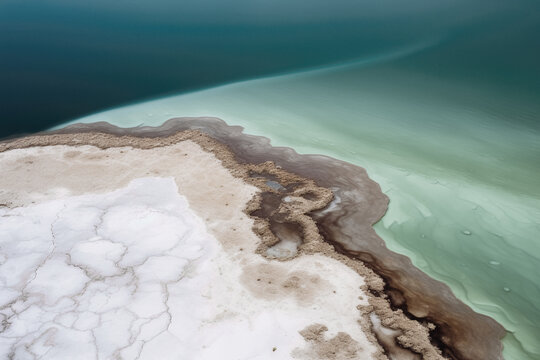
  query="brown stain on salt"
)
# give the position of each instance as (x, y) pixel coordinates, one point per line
(339, 347)
(72, 154)
(271, 281)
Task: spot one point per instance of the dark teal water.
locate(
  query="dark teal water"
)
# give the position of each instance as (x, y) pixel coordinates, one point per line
(62, 59)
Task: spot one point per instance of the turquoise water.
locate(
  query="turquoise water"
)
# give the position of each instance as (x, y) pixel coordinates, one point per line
(461, 171)
(61, 59)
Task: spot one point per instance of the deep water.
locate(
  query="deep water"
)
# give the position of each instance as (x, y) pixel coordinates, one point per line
(61, 59)
(439, 101)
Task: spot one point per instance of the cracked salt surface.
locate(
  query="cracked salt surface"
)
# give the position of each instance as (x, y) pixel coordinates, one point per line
(134, 273)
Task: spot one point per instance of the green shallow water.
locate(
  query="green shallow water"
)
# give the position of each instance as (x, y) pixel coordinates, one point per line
(461, 171)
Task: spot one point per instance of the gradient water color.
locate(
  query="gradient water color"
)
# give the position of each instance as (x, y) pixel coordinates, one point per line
(62, 59)
(439, 100)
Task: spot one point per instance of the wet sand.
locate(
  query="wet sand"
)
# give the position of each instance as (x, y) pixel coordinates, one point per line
(338, 207)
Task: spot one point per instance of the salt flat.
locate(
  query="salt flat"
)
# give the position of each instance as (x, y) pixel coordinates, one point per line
(147, 253)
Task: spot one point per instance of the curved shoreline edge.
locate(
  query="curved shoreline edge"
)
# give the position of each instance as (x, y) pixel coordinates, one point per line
(344, 204)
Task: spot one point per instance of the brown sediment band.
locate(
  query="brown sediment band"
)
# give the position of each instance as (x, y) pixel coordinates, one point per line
(425, 312)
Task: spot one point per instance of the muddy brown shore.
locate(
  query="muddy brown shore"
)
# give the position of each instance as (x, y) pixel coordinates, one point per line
(405, 296)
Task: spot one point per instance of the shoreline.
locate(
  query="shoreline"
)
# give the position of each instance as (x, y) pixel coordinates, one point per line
(398, 297)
